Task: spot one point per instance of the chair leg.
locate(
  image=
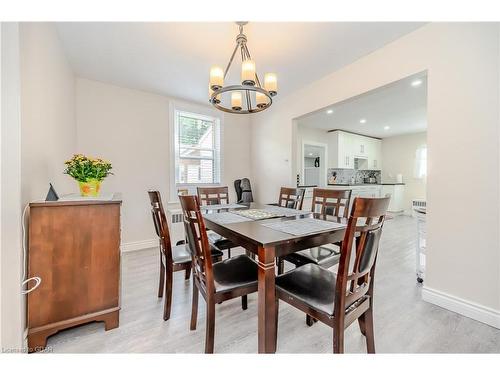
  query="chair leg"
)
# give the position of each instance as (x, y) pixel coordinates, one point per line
(362, 326)
(369, 334)
(168, 298)
(194, 308)
(281, 266)
(244, 302)
(276, 332)
(187, 275)
(161, 285)
(228, 253)
(210, 330)
(338, 340)
(309, 320)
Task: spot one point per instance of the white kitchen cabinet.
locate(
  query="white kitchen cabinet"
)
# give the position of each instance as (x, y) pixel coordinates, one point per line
(307, 202)
(344, 147)
(359, 145)
(362, 191)
(374, 154)
(340, 150)
(396, 192)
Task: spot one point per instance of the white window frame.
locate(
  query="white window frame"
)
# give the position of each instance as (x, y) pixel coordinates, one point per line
(420, 169)
(202, 112)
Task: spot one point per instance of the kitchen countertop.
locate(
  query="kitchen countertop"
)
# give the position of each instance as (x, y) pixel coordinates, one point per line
(366, 184)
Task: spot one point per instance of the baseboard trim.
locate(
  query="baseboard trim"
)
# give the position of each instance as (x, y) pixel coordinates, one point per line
(138, 245)
(469, 309)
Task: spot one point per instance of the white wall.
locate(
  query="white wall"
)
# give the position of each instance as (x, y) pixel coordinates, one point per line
(48, 135)
(10, 191)
(398, 156)
(131, 129)
(462, 61)
(38, 135)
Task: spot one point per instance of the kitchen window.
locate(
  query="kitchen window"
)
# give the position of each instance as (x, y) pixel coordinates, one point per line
(197, 149)
(421, 162)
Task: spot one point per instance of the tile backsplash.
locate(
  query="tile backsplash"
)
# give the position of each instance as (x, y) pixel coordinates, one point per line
(348, 176)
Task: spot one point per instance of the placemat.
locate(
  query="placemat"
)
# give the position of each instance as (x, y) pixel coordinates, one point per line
(225, 218)
(301, 227)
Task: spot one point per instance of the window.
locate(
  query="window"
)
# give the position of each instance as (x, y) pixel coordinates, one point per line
(421, 162)
(197, 149)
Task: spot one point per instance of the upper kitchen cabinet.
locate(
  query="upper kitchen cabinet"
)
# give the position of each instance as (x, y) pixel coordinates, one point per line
(359, 145)
(374, 154)
(340, 152)
(345, 147)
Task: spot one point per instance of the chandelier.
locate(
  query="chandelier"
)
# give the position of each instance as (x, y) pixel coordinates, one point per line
(247, 97)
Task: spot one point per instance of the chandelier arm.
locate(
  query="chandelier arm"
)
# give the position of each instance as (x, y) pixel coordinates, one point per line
(256, 75)
(231, 60)
(243, 56)
(249, 102)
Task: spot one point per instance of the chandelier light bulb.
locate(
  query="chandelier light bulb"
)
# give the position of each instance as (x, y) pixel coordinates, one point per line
(210, 92)
(271, 83)
(236, 101)
(248, 72)
(216, 78)
(261, 100)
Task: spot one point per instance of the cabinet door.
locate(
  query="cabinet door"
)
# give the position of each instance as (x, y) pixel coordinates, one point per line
(360, 145)
(346, 159)
(376, 154)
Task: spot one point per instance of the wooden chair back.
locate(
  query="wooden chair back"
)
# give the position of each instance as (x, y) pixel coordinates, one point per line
(355, 278)
(213, 195)
(330, 201)
(160, 223)
(291, 198)
(197, 240)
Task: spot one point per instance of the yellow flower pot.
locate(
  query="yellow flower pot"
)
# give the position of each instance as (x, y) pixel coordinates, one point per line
(91, 188)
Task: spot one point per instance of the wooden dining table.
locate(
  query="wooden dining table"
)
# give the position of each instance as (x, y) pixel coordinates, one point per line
(267, 244)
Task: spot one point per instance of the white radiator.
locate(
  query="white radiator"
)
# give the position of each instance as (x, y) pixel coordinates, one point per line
(175, 225)
(417, 203)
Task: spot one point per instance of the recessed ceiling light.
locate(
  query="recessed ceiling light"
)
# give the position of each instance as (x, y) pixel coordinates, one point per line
(387, 127)
(329, 112)
(416, 82)
(310, 154)
(362, 121)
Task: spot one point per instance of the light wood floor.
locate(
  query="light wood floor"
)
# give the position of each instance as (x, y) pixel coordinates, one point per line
(403, 322)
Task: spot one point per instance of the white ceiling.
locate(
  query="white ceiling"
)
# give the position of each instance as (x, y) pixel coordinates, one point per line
(174, 58)
(400, 106)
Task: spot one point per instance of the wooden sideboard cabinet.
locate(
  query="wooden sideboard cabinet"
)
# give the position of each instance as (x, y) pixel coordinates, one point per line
(74, 246)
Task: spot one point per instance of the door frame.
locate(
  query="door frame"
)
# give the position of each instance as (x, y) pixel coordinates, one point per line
(325, 168)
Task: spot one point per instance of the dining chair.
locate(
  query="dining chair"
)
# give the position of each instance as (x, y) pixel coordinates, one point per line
(216, 195)
(340, 299)
(291, 198)
(325, 202)
(216, 282)
(172, 259)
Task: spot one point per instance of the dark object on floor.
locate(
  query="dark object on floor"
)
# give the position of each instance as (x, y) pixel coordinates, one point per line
(246, 191)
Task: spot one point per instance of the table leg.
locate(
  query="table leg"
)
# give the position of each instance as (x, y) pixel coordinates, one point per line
(267, 303)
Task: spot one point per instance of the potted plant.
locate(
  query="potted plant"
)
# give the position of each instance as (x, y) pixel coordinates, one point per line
(89, 172)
